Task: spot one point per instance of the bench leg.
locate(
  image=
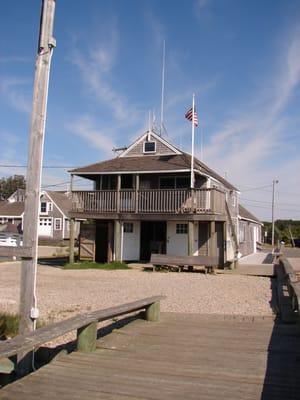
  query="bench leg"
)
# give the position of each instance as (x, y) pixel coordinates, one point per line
(152, 312)
(86, 338)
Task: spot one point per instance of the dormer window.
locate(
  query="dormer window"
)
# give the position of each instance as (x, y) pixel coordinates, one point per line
(149, 147)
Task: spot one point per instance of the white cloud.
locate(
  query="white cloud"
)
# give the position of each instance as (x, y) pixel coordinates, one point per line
(252, 146)
(13, 90)
(14, 59)
(85, 128)
(96, 66)
(200, 6)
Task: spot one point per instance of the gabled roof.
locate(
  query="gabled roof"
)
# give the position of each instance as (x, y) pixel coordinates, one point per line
(150, 164)
(15, 209)
(245, 214)
(167, 148)
(62, 201)
(17, 195)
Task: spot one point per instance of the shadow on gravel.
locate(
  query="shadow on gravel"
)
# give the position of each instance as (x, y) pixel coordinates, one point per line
(282, 378)
(53, 262)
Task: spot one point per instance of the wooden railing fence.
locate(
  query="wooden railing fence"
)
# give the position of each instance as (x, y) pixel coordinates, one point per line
(150, 201)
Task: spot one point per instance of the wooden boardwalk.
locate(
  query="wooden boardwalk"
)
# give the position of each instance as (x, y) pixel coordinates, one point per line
(185, 356)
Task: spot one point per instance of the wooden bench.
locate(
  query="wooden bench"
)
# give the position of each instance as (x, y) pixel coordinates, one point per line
(85, 324)
(179, 263)
(293, 284)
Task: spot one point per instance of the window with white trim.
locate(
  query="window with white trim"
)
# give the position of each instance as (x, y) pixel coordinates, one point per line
(50, 206)
(57, 224)
(149, 147)
(128, 227)
(181, 228)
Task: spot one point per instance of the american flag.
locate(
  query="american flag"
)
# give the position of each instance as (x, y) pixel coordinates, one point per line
(189, 115)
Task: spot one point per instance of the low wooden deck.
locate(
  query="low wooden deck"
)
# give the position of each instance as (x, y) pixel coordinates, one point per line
(185, 356)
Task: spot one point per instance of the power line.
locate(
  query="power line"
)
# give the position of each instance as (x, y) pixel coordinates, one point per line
(256, 188)
(269, 202)
(277, 208)
(44, 166)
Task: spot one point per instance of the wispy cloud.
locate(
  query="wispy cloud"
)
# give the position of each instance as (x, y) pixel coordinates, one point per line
(95, 66)
(14, 59)
(247, 144)
(85, 128)
(200, 6)
(15, 91)
(10, 154)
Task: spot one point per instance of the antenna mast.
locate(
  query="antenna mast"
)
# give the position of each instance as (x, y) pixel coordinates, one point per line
(162, 91)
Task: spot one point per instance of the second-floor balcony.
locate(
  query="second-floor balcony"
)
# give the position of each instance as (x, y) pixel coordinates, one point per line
(155, 201)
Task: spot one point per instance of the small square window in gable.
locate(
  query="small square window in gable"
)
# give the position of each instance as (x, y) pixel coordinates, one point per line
(149, 147)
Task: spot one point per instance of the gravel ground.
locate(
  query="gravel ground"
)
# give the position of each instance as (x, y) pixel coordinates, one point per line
(62, 293)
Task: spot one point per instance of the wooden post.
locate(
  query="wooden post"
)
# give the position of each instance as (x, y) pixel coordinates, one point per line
(117, 240)
(72, 226)
(28, 302)
(191, 238)
(118, 193)
(72, 239)
(225, 242)
(86, 338)
(110, 246)
(152, 312)
(137, 188)
(213, 236)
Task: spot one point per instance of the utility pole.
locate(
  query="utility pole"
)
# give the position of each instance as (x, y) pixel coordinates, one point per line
(273, 201)
(28, 303)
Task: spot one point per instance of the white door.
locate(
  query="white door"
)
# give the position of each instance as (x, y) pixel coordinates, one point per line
(45, 226)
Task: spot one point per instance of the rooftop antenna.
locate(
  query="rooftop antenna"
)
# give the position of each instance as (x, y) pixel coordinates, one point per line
(149, 126)
(162, 91)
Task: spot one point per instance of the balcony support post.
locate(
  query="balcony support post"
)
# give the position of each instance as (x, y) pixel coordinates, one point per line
(213, 239)
(137, 188)
(72, 227)
(191, 238)
(118, 192)
(110, 245)
(117, 240)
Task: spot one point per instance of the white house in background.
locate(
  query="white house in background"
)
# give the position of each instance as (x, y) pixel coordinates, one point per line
(53, 216)
(250, 230)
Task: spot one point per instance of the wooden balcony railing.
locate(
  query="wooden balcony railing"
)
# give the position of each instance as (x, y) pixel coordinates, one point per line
(173, 201)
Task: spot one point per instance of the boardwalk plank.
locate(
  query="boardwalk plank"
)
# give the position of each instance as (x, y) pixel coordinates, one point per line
(201, 357)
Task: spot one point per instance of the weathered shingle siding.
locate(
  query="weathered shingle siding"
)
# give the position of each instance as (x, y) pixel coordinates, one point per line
(247, 245)
(138, 149)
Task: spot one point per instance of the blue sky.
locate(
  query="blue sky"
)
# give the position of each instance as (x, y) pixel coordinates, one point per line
(241, 58)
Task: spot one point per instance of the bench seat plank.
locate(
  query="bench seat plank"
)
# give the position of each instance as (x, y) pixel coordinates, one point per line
(164, 259)
(45, 334)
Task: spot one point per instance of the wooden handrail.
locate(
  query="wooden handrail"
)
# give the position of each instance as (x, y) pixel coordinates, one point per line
(82, 324)
(293, 283)
(16, 251)
(210, 200)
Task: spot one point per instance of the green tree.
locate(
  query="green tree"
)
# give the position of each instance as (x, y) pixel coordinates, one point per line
(9, 185)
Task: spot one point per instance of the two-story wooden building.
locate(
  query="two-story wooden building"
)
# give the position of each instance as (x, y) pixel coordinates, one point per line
(143, 202)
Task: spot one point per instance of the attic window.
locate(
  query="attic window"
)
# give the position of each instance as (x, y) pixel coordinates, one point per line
(149, 147)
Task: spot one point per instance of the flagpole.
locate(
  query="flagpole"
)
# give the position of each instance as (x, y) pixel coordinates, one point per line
(193, 139)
